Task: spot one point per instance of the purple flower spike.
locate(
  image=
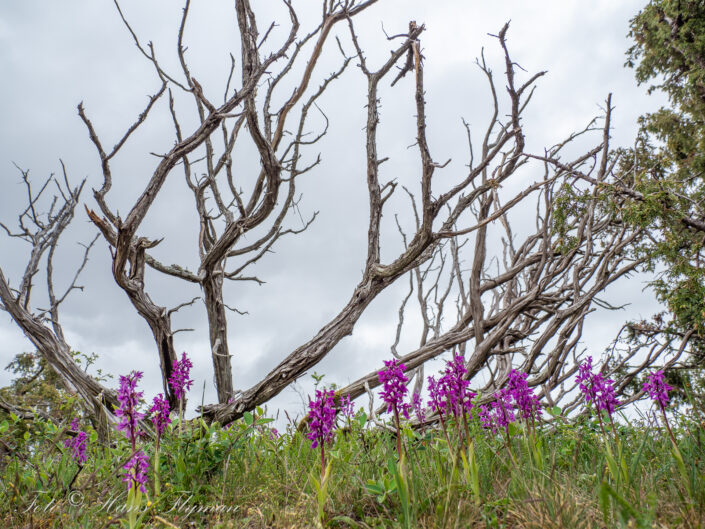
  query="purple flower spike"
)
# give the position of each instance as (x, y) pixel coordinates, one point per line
(136, 471)
(394, 388)
(78, 444)
(657, 388)
(605, 400)
(179, 379)
(417, 404)
(503, 408)
(584, 379)
(486, 419)
(451, 394)
(457, 393)
(524, 398)
(499, 413)
(321, 415)
(347, 407)
(596, 388)
(437, 393)
(129, 399)
(160, 414)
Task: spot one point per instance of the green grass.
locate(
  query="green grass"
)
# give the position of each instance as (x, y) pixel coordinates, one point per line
(564, 477)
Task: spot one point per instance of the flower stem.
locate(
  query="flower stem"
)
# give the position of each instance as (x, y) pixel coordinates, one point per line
(80, 467)
(511, 455)
(396, 421)
(467, 430)
(668, 426)
(614, 429)
(157, 485)
(181, 414)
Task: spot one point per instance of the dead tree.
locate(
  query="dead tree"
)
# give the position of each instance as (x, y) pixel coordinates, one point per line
(245, 115)
(523, 306)
(527, 313)
(42, 229)
(529, 300)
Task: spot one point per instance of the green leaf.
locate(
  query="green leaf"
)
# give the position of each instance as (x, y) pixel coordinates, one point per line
(249, 418)
(626, 510)
(374, 488)
(180, 464)
(346, 519)
(402, 487)
(682, 470)
(4, 425)
(392, 465)
(604, 498)
(612, 463)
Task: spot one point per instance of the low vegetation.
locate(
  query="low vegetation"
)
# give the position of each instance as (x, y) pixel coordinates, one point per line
(464, 460)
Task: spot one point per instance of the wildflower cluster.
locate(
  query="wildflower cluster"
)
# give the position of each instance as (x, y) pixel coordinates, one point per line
(485, 418)
(160, 414)
(596, 388)
(417, 404)
(435, 392)
(499, 413)
(77, 444)
(523, 396)
(518, 397)
(657, 388)
(321, 417)
(136, 471)
(394, 388)
(179, 379)
(347, 407)
(451, 393)
(321, 425)
(129, 399)
(584, 379)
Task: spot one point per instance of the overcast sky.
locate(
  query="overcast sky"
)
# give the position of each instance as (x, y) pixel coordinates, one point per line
(54, 55)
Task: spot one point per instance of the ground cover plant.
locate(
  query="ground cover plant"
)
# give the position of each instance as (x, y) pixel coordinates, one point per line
(459, 460)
